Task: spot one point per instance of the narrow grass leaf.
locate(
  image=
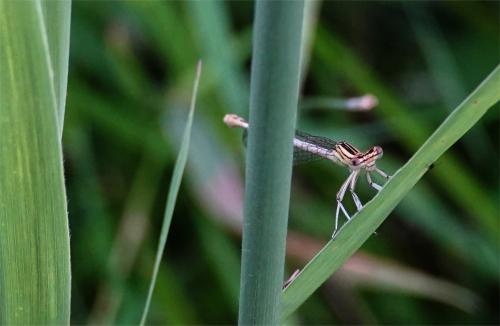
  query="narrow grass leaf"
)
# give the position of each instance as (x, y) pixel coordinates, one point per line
(446, 74)
(213, 32)
(56, 18)
(158, 18)
(359, 229)
(312, 11)
(454, 177)
(172, 193)
(381, 274)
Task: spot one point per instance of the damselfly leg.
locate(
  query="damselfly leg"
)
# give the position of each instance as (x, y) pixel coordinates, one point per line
(351, 183)
(373, 184)
(340, 197)
(355, 197)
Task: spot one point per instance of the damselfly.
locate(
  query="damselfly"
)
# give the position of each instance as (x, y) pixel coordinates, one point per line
(308, 147)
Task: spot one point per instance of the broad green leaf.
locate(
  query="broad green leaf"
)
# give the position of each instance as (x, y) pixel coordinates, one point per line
(34, 238)
(273, 107)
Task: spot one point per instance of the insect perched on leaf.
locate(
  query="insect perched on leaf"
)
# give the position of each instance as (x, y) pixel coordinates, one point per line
(308, 147)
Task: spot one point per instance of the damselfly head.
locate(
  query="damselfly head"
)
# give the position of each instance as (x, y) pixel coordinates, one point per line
(367, 159)
(376, 152)
(371, 156)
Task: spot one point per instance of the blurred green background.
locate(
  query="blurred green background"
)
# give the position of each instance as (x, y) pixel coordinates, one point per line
(435, 260)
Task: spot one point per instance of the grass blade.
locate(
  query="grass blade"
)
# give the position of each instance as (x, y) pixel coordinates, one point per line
(312, 11)
(34, 237)
(212, 33)
(56, 16)
(273, 103)
(453, 176)
(446, 75)
(359, 229)
(383, 275)
(172, 193)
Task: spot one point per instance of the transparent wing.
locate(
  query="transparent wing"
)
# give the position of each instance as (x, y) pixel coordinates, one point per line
(316, 140)
(299, 155)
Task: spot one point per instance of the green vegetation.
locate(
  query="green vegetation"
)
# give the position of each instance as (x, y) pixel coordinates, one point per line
(274, 94)
(433, 260)
(34, 238)
(359, 229)
(173, 191)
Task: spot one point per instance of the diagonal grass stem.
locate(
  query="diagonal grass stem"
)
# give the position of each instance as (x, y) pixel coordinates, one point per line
(175, 184)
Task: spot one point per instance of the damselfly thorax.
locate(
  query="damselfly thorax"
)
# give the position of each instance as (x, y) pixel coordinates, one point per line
(308, 147)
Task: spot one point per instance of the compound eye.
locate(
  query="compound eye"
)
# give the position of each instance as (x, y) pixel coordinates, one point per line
(379, 151)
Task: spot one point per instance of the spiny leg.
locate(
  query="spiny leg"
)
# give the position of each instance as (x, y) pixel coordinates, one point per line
(340, 196)
(355, 197)
(371, 183)
(339, 207)
(382, 173)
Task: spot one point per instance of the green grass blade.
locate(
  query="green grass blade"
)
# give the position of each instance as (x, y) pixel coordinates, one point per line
(158, 18)
(212, 33)
(172, 193)
(453, 176)
(57, 17)
(312, 11)
(273, 103)
(445, 74)
(34, 238)
(359, 229)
